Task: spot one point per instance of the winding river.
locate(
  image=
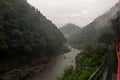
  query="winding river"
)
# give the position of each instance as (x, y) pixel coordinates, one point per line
(58, 65)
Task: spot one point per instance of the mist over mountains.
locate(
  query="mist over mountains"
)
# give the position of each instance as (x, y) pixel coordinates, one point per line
(98, 41)
(92, 31)
(69, 29)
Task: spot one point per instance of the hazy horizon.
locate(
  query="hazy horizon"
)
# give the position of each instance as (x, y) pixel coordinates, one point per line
(78, 12)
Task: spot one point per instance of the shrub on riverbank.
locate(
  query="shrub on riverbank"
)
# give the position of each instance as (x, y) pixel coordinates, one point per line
(86, 63)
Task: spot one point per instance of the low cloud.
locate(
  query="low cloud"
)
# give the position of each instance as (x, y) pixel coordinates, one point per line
(79, 12)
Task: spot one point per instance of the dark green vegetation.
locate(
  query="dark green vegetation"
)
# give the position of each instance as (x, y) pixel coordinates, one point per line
(25, 34)
(116, 26)
(70, 29)
(99, 41)
(86, 63)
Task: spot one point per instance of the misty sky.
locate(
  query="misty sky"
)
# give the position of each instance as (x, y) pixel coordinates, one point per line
(79, 12)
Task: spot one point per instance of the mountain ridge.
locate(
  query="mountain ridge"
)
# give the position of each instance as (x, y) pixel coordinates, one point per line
(69, 29)
(93, 30)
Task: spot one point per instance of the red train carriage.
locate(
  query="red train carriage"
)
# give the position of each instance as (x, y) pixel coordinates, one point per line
(117, 45)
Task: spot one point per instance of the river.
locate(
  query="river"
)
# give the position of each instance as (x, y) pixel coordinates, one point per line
(58, 65)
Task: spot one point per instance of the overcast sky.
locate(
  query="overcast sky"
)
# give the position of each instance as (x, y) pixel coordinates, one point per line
(79, 12)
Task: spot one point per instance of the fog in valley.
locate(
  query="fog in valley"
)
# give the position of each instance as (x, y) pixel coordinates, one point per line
(59, 40)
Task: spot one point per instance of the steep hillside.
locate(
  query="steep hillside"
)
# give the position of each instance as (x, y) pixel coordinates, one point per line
(98, 55)
(92, 31)
(25, 34)
(69, 29)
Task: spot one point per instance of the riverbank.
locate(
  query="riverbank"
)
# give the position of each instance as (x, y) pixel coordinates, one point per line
(24, 71)
(58, 65)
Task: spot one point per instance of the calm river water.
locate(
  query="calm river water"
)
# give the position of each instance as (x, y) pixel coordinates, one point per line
(58, 65)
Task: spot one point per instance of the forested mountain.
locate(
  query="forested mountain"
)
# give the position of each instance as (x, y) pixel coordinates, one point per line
(24, 33)
(69, 29)
(89, 61)
(99, 53)
(93, 30)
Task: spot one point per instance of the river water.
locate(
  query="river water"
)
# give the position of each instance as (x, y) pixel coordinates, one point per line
(58, 65)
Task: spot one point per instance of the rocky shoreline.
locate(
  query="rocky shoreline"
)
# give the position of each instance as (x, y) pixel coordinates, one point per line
(22, 73)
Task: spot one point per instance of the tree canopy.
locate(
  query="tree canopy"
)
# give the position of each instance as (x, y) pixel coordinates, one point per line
(23, 29)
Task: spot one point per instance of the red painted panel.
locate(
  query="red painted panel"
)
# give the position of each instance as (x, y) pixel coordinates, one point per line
(117, 44)
(118, 71)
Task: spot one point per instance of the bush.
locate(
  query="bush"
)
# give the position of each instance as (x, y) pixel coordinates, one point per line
(86, 63)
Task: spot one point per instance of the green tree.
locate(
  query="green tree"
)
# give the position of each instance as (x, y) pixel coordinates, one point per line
(106, 38)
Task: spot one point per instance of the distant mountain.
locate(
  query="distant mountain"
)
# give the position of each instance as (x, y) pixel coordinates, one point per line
(69, 29)
(92, 31)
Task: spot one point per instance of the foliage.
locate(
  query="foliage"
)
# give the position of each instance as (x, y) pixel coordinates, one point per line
(86, 63)
(92, 56)
(106, 38)
(27, 48)
(95, 48)
(116, 25)
(24, 30)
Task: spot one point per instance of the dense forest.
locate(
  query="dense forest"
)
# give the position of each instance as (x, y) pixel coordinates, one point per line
(25, 34)
(99, 48)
